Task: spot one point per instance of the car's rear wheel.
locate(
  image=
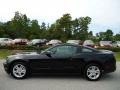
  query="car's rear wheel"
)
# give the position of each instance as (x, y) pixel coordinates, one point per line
(93, 72)
(19, 70)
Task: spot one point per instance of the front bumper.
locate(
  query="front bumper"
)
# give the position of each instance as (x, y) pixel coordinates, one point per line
(6, 68)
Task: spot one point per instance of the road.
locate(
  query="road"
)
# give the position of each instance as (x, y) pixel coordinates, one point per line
(56, 82)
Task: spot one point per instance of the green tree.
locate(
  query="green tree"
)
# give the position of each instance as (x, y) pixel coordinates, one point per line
(2, 30)
(18, 26)
(65, 23)
(90, 35)
(62, 28)
(117, 37)
(34, 30)
(80, 27)
(109, 35)
(101, 35)
(43, 30)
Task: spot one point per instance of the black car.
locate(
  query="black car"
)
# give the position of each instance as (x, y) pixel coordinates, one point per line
(65, 58)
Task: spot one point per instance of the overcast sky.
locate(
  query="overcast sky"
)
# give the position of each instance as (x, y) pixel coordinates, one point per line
(105, 14)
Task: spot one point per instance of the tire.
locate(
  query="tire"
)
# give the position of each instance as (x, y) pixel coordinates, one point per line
(92, 72)
(19, 70)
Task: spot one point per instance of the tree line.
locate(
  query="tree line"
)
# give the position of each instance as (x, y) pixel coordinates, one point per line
(64, 28)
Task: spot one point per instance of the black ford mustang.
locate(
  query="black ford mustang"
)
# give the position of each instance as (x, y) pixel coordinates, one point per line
(66, 58)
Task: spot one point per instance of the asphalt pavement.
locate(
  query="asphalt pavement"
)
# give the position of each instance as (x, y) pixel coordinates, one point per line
(109, 81)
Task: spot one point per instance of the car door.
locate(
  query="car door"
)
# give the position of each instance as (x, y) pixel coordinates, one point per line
(40, 62)
(61, 58)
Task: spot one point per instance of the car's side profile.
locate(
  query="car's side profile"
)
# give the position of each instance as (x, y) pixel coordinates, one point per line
(62, 58)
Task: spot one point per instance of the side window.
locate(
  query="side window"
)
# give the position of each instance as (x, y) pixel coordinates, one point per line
(86, 50)
(64, 50)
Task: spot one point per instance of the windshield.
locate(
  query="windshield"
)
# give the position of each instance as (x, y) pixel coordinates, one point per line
(43, 51)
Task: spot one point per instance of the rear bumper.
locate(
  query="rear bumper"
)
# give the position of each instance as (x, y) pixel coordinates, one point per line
(110, 67)
(6, 68)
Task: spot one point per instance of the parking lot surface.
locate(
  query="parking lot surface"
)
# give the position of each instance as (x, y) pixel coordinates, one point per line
(57, 82)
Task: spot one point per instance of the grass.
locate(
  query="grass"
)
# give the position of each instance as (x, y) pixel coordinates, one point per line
(117, 56)
(4, 53)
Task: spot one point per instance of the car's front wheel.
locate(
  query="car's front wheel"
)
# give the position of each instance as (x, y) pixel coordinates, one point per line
(19, 70)
(92, 72)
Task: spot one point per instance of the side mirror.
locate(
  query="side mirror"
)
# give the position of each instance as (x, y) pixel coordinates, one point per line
(48, 53)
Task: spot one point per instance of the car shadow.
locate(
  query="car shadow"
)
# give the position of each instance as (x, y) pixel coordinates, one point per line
(106, 77)
(56, 76)
(110, 77)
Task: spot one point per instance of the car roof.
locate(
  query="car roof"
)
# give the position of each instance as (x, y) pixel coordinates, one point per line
(71, 44)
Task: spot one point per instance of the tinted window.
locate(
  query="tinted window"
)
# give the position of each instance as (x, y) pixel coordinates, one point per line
(64, 50)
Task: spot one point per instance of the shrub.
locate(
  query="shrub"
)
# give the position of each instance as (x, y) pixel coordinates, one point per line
(23, 47)
(114, 49)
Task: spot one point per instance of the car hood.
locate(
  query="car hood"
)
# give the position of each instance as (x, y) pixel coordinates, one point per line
(23, 55)
(27, 53)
